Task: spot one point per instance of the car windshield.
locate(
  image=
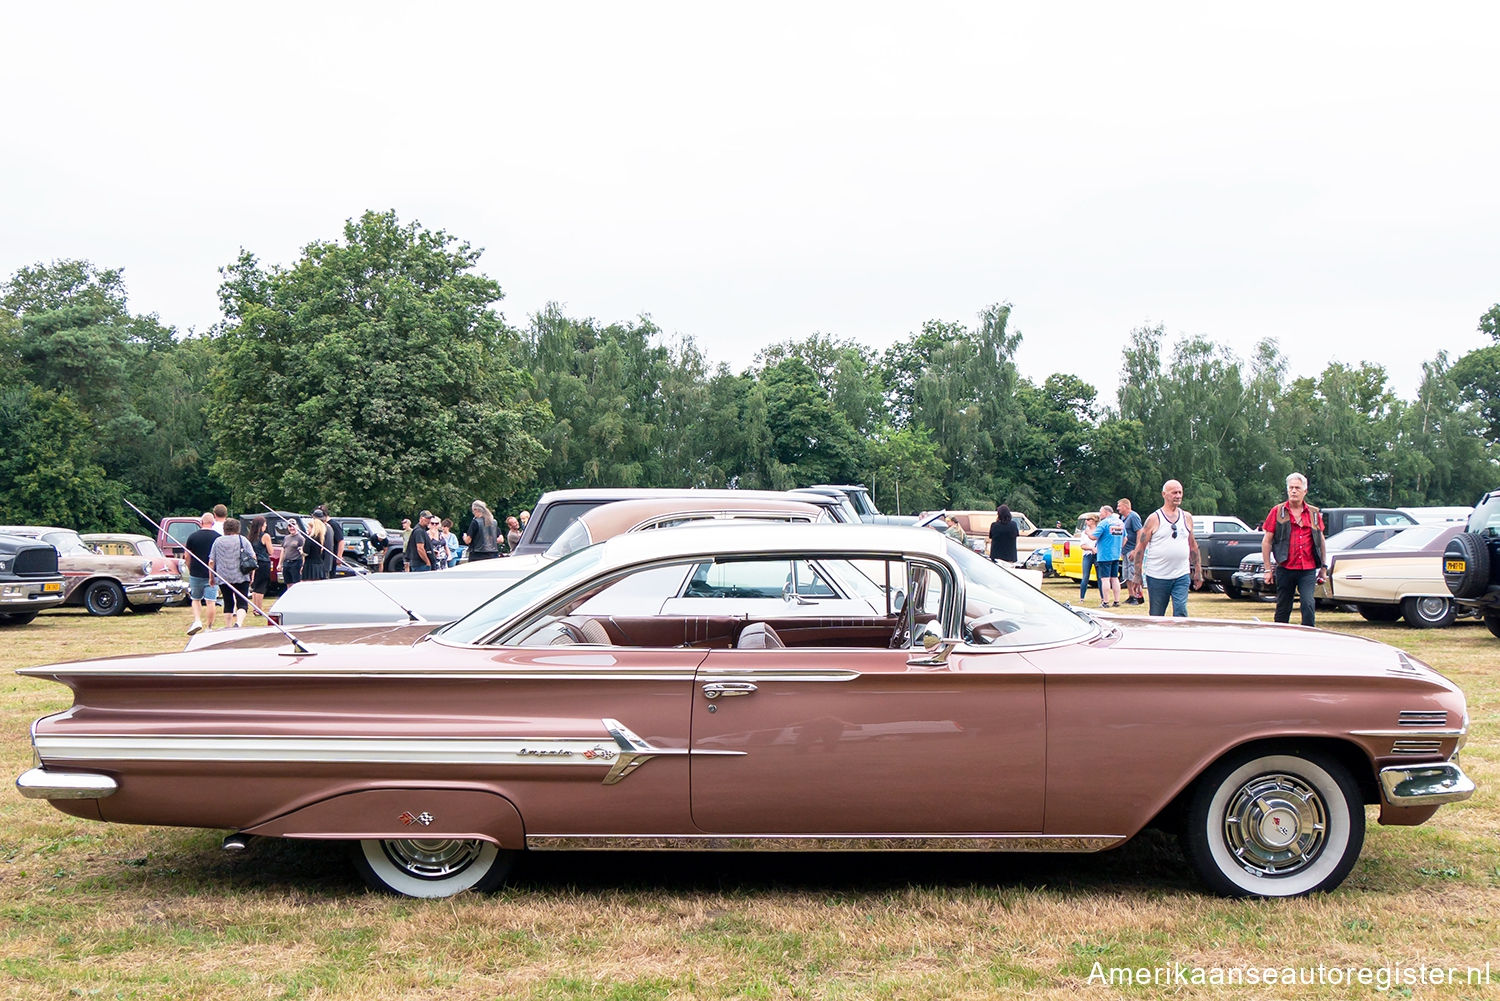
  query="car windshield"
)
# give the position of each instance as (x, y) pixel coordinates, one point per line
(1001, 609)
(65, 542)
(553, 577)
(576, 537)
(147, 548)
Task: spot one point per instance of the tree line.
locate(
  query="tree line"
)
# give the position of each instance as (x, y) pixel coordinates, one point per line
(375, 374)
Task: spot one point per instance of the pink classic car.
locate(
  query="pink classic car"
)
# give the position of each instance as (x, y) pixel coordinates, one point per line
(674, 690)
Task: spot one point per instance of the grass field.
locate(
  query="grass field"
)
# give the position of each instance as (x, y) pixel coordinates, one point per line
(90, 910)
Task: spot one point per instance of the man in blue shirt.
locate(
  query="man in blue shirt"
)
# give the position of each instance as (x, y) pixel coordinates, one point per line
(1132, 523)
(1111, 536)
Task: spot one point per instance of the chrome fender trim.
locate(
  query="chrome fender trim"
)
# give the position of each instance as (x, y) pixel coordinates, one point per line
(39, 783)
(1425, 785)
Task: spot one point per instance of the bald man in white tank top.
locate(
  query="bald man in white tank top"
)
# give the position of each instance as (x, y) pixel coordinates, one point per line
(1166, 554)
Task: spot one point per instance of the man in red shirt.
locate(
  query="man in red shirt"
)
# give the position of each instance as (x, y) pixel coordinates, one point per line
(1294, 538)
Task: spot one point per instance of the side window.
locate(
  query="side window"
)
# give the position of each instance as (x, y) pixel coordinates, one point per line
(1355, 520)
(115, 548)
(1391, 519)
(757, 579)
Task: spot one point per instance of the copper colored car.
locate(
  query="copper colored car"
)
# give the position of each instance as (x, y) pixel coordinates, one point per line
(669, 690)
(109, 573)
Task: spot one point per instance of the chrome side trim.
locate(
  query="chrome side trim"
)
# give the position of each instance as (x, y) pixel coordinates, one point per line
(599, 668)
(627, 752)
(1416, 746)
(720, 673)
(820, 842)
(1407, 732)
(1425, 785)
(39, 783)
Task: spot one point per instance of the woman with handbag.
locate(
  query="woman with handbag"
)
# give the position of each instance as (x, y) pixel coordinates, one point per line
(232, 562)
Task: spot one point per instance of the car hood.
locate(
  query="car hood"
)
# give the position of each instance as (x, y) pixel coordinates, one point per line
(1213, 645)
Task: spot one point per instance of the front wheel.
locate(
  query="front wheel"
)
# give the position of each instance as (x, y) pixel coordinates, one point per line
(431, 867)
(1274, 825)
(1428, 612)
(104, 597)
(147, 609)
(1492, 623)
(1379, 613)
(1233, 590)
(21, 618)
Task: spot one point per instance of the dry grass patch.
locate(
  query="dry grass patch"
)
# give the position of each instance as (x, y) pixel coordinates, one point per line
(96, 910)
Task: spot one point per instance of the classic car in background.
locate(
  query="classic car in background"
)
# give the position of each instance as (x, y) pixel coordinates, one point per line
(555, 510)
(108, 584)
(863, 504)
(1223, 540)
(976, 526)
(1401, 577)
(593, 706)
(449, 594)
(29, 579)
(1250, 579)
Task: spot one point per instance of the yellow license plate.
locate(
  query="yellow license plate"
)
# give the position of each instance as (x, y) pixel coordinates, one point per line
(1455, 566)
(51, 586)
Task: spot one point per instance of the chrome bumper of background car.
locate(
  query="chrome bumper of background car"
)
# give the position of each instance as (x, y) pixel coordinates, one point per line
(17, 595)
(39, 783)
(151, 592)
(1425, 785)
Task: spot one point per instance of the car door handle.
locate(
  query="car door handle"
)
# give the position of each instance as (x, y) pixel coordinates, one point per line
(715, 689)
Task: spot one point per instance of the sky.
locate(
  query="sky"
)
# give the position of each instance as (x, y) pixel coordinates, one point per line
(1323, 174)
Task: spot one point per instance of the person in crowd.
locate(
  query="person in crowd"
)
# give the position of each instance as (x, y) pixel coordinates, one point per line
(450, 539)
(202, 591)
(483, 535)
(1109, 540)
(229, 558)
(437, 543)
(1294, 537)
(955, 531)
(419, 546)
(512, 533)
(336, 537)
(1090, 547)
(220, 514)
(260, 581)
(1132, 523)
(291, 554)
(1166, 554)
(1004, 531)
(406, 524)
(316, 557)
(525, 517)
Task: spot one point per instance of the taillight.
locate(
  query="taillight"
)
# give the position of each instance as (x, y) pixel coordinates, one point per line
(274, 617)
(1067, 549)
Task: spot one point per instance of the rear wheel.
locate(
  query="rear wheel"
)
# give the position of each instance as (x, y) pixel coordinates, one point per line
(1428, 612)
(431, 867)
(1274, 825)
(148, 609)
(104, 597)
(1379, 613)
(1233, 590)
(1492, 623)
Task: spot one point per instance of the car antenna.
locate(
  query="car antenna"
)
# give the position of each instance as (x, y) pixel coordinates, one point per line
(298, 650)
(365, 576)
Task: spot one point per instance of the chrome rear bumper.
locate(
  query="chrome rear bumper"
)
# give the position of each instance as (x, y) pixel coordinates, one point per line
(1425, 785)
(39, 783)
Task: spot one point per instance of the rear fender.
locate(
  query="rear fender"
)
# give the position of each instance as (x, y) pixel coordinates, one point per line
(404, 812)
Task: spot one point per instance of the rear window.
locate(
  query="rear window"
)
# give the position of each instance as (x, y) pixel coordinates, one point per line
(178, 531)
(556, 519)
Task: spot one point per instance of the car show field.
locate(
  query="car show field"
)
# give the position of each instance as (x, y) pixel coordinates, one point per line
(151, 911)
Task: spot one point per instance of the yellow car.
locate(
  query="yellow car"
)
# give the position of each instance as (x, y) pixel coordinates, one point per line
(1067, 554)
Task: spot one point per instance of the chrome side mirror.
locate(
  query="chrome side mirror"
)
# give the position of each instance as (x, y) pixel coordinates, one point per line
(934, 646)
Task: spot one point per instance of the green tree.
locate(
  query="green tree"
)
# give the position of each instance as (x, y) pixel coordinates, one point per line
(373, 374)
(810, 441)
(48, 471)
(907, 472)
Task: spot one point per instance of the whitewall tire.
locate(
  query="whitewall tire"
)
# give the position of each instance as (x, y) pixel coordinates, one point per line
(431, 867)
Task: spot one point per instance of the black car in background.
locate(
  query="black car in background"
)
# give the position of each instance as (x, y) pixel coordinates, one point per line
(29, 579)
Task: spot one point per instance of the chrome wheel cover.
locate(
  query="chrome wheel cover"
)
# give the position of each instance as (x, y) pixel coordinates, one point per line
(1275, 825)
(1432, 609)
(432, 858)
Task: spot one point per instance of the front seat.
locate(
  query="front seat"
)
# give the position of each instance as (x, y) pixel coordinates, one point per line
(759, 636)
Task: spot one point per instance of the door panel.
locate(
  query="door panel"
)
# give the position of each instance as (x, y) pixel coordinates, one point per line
(858, 742)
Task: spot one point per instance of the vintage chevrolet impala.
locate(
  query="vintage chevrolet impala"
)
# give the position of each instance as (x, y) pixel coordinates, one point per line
(595, 706)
